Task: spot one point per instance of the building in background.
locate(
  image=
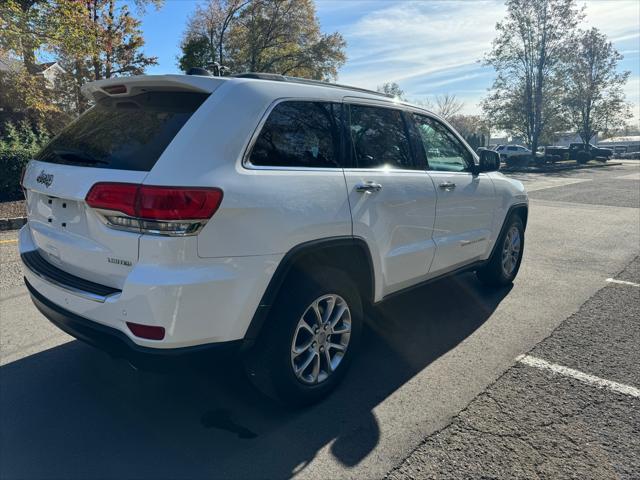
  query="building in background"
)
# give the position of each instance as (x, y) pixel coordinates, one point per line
(626, 144)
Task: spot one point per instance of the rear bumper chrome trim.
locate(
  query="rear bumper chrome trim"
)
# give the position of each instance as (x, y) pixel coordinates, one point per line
(37, 265)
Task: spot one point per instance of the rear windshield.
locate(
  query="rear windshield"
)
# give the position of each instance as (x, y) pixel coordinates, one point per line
(123, 133)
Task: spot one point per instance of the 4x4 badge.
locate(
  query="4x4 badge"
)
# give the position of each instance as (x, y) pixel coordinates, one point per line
(45, 178)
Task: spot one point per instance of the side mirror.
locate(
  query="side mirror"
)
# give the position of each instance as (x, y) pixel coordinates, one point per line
(489, 161)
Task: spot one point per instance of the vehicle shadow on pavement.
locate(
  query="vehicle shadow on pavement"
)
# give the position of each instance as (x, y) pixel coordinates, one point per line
(72, 412)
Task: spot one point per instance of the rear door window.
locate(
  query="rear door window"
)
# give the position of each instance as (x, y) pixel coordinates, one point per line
(300, 134)
(379, 138)
(124, 133)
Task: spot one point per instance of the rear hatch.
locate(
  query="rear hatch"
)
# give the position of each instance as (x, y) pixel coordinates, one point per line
(118, 140)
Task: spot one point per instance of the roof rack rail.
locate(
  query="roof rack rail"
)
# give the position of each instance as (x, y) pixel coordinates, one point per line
(284, 78)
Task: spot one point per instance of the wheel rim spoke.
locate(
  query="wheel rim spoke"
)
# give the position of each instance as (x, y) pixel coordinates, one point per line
(327, 358)
(337, 316)
(305, 364)
(328, 310)
(338, 346)
(316, 367)
(316, 310)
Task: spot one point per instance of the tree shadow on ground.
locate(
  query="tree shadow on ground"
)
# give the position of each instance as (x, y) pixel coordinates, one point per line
(72, 412)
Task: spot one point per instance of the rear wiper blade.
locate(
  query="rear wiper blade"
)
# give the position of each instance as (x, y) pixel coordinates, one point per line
(78, 156)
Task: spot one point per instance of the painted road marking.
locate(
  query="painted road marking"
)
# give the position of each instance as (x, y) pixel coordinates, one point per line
(631, 176)
(578, 375)
(622, 282)
(542, 184)
(8, 241)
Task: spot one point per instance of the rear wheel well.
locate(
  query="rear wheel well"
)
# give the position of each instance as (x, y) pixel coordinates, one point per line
(350, 255)
(352, 259)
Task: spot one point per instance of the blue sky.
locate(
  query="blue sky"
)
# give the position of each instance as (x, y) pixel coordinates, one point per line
(428, 47)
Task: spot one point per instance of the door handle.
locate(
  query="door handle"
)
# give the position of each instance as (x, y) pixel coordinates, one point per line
(447, 185)
(368, 187)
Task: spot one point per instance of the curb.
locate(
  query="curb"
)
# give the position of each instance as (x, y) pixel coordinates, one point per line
(12, 223)
(558, 169)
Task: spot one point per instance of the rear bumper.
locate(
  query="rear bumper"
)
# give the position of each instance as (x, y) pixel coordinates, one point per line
(117, 344)
(197, 301)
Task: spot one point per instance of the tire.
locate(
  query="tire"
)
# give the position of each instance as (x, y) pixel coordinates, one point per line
(583, 157)
(270, 365)
(493, 273)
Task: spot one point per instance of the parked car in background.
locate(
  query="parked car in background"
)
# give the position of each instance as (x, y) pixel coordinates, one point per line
(514, 154)
(582, 153)
(551, 154)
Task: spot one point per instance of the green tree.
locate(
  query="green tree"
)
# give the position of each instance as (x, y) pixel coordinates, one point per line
(19, 143)
(206, 38)
(594, 96)
(277, 36)
(392, 89)
(533, 43)
(90, 39)
(111, 46)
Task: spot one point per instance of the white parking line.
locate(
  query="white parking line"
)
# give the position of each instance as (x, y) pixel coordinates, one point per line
(631, 176)
(581, 376)
(542, 184)
(622, 282)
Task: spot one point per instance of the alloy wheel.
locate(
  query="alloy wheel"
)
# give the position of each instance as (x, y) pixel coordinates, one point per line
(511, 251)
(321, 339)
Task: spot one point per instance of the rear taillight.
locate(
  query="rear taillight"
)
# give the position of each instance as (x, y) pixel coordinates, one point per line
(154, 209)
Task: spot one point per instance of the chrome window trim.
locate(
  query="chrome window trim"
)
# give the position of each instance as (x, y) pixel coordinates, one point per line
(346, 100)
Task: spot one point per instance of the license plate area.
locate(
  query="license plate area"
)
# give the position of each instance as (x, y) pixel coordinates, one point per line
(59, 214)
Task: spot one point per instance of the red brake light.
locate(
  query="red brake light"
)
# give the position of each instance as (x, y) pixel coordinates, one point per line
(120, 197)
(177, 203)
(150, 332)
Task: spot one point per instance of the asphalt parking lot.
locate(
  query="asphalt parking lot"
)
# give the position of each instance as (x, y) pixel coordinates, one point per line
(441, 389)
(535, 422)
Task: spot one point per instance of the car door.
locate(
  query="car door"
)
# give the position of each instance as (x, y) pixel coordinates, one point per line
(465, 201)
(392, 198)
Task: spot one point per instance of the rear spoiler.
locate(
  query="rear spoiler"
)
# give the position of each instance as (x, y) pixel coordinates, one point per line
(128, 86)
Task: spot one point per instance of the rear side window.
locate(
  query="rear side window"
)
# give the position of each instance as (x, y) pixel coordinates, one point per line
(300, 134)
(379, 138)
(124, 133)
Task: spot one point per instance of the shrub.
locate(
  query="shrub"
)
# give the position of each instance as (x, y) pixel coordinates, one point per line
(19, 144)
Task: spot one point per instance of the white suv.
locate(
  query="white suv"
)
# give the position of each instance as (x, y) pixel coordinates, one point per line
(509, 152)
(257, 215)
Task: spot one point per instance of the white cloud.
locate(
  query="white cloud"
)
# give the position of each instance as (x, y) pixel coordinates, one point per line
(409, 41)
(433, 47)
